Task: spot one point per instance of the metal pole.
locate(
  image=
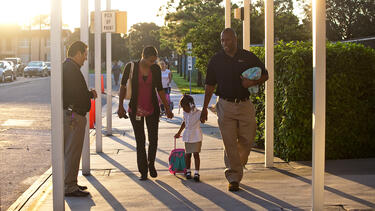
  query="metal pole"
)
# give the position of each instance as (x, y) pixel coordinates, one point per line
(85, 71)
(109, 77)
(246, 25)
(227, 13)
(57, 135)
(269, 130)
(319, 102)
(98, 103)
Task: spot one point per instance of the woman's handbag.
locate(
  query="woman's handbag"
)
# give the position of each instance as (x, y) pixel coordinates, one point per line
(129, 82)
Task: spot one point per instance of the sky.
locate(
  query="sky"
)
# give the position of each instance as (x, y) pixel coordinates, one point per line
(21, 11)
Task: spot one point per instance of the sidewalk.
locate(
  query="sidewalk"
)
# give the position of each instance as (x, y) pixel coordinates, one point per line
(114, 184)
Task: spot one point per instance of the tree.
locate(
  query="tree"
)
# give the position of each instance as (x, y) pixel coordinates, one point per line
(182, 16)
(350, 19)
(142, 35)
(346, 19)
(286, 23)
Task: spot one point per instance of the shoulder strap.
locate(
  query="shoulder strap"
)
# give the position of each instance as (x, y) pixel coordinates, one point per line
(131, 70)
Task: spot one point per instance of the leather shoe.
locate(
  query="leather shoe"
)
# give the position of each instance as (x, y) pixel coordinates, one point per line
(143, 177)
(233, 186)
(77, 193)
(81, 187)
(153, 172)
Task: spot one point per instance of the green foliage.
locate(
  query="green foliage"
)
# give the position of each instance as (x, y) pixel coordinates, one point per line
(205, 39)
(350, 101)
(182, 16)
(142, 35)
(350, 19)
(183, 85)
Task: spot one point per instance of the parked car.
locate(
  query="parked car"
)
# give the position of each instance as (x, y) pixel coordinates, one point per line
(14, 70)
(6, 71)
(49, 67)
(36, 68)
(18, 65)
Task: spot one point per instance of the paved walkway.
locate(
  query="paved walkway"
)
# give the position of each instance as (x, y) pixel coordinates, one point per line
(114, 184)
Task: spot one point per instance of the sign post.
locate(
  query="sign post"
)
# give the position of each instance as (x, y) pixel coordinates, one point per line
(109, 26)
(190, 62)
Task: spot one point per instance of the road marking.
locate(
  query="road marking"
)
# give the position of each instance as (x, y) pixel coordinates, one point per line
(18, 122)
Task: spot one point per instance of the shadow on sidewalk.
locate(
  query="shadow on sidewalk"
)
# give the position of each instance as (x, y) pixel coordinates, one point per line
(168, 199)
(80, 203)
(333, 190)
(224, 200)
(131, 147)
(115, 204)
(178, 195)
(267, 196)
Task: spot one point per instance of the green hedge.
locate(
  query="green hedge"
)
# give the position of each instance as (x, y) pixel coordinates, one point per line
(350, 101)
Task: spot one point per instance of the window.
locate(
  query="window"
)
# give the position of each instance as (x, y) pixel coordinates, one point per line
(24, 43)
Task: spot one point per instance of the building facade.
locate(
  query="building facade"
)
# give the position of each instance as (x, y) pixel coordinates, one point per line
(29, 45)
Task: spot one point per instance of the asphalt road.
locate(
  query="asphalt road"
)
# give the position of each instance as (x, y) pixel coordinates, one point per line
(25, 125)
(25, 134)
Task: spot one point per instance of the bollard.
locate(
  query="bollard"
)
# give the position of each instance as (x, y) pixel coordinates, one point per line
(92, 114)
(102, 85)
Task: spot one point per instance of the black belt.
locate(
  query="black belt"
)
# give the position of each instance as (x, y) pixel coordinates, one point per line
(80, 112)
(235, 100)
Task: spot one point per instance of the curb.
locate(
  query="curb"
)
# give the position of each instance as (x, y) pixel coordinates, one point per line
(15, 83)
(30, 193)
(42, 186)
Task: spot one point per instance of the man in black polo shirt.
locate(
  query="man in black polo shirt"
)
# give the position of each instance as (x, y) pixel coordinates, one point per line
(236, 113)
(76, 103)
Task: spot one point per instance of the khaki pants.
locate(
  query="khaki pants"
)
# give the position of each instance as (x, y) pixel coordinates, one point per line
(237, 126)
(74, 134)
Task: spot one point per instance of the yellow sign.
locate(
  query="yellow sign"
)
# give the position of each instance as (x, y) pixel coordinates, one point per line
(120, 22)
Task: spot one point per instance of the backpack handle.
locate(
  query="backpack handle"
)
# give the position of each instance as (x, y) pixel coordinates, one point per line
(175, 142)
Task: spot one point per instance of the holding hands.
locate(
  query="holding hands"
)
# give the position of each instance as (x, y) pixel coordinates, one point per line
(94, 94)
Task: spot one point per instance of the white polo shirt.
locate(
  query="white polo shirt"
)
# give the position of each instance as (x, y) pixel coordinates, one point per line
(193, 131)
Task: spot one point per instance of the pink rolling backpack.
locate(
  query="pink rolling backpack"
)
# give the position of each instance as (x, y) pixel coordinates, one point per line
(177, 160)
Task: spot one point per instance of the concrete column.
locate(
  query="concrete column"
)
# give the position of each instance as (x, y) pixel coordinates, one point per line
(57, 135)
(246, 25)
(319, 102)
(98, 103)
(84, 30)
(109, 77)
(269, 45)
(227, 13)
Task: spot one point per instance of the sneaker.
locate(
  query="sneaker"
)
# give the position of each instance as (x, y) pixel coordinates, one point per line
(233, 186)
(196, 177)
(188, 175)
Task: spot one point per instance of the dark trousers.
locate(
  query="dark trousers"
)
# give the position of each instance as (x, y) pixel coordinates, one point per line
(152, 123)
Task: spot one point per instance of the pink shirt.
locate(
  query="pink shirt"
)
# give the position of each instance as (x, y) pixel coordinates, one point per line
(144, 105)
